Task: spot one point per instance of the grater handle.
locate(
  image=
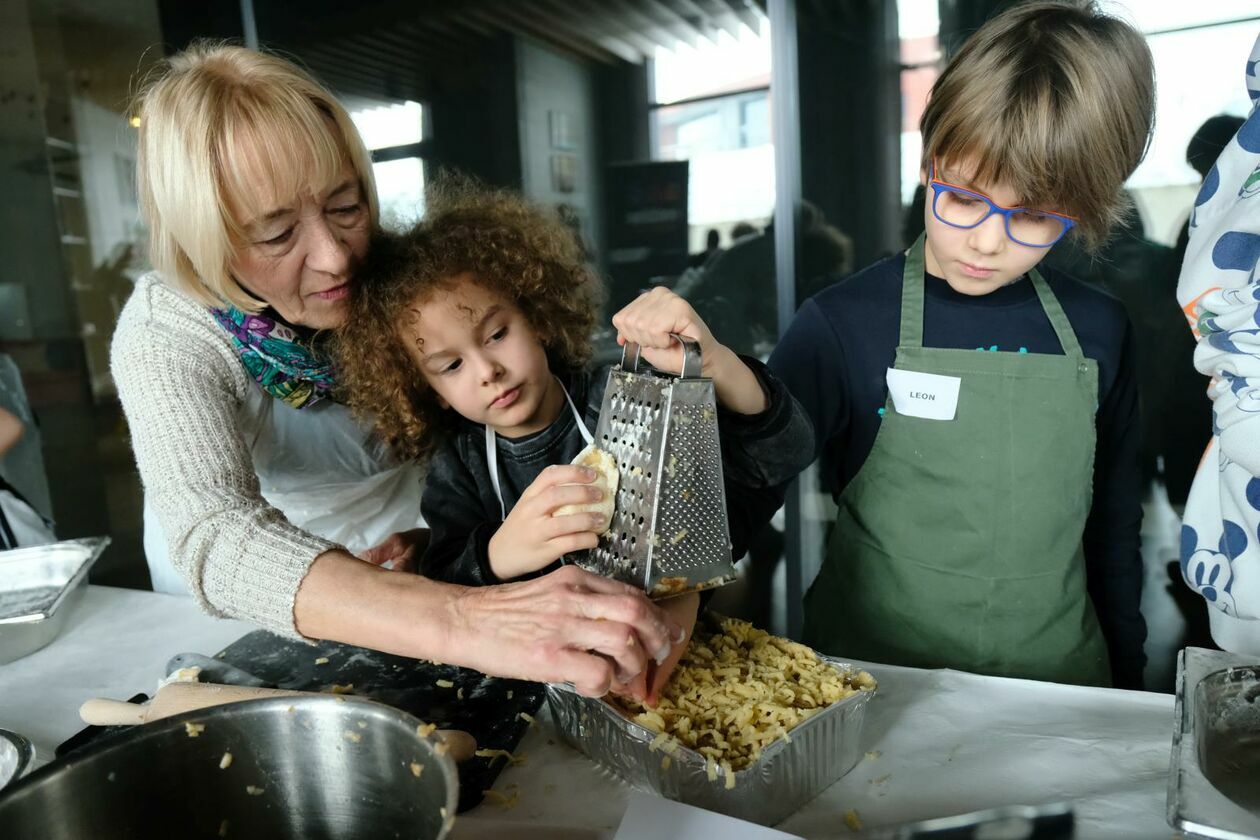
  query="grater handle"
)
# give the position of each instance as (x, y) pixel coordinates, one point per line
(692, 360)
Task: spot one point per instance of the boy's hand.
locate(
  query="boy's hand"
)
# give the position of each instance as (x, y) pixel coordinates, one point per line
(531, 538)
(647, 686)
(649, 322)
(399, 552)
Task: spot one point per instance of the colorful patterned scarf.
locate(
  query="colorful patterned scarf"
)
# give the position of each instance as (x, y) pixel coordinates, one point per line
(274, 354)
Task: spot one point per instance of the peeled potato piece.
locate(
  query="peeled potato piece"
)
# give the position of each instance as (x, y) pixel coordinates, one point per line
(606, 480)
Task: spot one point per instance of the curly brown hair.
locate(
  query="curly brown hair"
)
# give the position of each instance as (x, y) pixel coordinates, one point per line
(513, 248)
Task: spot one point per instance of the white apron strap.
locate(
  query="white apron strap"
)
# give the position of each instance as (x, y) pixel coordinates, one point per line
(492, 450)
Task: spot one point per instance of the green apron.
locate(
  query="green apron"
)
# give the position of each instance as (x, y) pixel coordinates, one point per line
(958, 543)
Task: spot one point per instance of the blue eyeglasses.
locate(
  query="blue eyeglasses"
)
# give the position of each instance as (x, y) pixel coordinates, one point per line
(963, 208)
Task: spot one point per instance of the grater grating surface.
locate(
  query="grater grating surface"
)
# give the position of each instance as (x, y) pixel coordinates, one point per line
(669, 532)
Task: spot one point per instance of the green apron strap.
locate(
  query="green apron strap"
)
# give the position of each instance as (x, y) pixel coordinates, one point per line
(912, 296)
(912, 305)
(1058, 318)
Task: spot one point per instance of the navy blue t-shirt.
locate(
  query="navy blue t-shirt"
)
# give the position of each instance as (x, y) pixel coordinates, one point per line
(835, 356)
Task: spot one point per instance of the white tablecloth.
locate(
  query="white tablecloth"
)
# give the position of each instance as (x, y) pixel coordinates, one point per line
(939, 742)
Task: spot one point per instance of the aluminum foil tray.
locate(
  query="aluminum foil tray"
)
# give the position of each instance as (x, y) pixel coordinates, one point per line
(1214, 775)
(787, 775)
(37, 587)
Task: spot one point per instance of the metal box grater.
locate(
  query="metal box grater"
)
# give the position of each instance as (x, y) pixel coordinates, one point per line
(669, 532)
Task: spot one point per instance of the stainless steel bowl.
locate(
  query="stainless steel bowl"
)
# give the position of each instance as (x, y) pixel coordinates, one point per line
(310, 767)
(16, 755)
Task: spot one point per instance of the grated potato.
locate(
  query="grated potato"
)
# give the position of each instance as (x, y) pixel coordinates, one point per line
(736, 691)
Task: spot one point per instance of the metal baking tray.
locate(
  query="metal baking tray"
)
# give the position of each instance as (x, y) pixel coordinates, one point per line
(787, 775)
(38, 586)
(1214, 774)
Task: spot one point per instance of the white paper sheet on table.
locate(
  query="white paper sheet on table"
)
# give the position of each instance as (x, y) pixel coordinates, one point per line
(650, 817)
(940, 743)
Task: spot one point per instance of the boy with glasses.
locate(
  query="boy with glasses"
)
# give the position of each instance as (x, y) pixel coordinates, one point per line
(977, 421)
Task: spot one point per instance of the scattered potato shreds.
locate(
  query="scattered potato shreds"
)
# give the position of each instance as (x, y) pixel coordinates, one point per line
(194, 729)
(424, 730)
(512, 760)
(323, 660)
(253, 791)
(341, 689)
(353, 737)
(444, 683)
(504, 801)
(736, 691)
(852, 820)
(416, 769)
(226, 761)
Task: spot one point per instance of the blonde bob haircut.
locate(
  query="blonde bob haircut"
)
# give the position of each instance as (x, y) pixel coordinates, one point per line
(226, 135)
(1053, 99)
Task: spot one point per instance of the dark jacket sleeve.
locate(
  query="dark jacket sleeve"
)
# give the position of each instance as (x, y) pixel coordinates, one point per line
(458, 549)
(809, 360)
(761, 454)
(770, 448)
(1112, 541)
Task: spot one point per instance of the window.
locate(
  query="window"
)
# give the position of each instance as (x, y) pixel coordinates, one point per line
(1199, 51)
(395, 135)
(919, 25)
(711, 107)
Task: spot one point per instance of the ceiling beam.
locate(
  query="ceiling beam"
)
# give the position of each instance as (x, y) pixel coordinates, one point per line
(664, 19)
(748, 15)
(582, 25)
(599, 14)
(513, 20)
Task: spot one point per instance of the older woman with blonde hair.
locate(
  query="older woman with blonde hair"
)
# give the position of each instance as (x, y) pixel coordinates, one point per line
(268, 496)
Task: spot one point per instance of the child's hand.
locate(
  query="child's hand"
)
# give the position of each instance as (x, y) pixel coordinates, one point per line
(531, 538)
(647, 686)
(649, 322)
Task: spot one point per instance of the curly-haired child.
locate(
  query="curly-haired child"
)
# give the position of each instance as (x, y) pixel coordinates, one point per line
(468, 341)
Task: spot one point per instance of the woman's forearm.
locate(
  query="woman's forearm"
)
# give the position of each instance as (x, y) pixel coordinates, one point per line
(346, 600)
(567, 626)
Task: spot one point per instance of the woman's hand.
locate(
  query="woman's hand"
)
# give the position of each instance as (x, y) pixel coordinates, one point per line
(647, 687)
(569, 626)
(531, 538)
(400, 552)
(649, 322)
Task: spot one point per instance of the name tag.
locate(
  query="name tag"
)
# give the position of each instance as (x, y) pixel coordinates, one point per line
(926, 395)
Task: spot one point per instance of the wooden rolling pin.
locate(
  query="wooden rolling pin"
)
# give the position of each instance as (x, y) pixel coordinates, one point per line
(177, 698)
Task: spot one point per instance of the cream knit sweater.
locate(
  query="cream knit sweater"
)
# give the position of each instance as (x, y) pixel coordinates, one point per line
(182, 388)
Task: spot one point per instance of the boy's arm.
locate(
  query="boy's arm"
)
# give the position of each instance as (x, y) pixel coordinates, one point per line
(808, 368)
(809, 360)
(1112, 541)
(10, 431)
(458, 549)
(772, 446)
